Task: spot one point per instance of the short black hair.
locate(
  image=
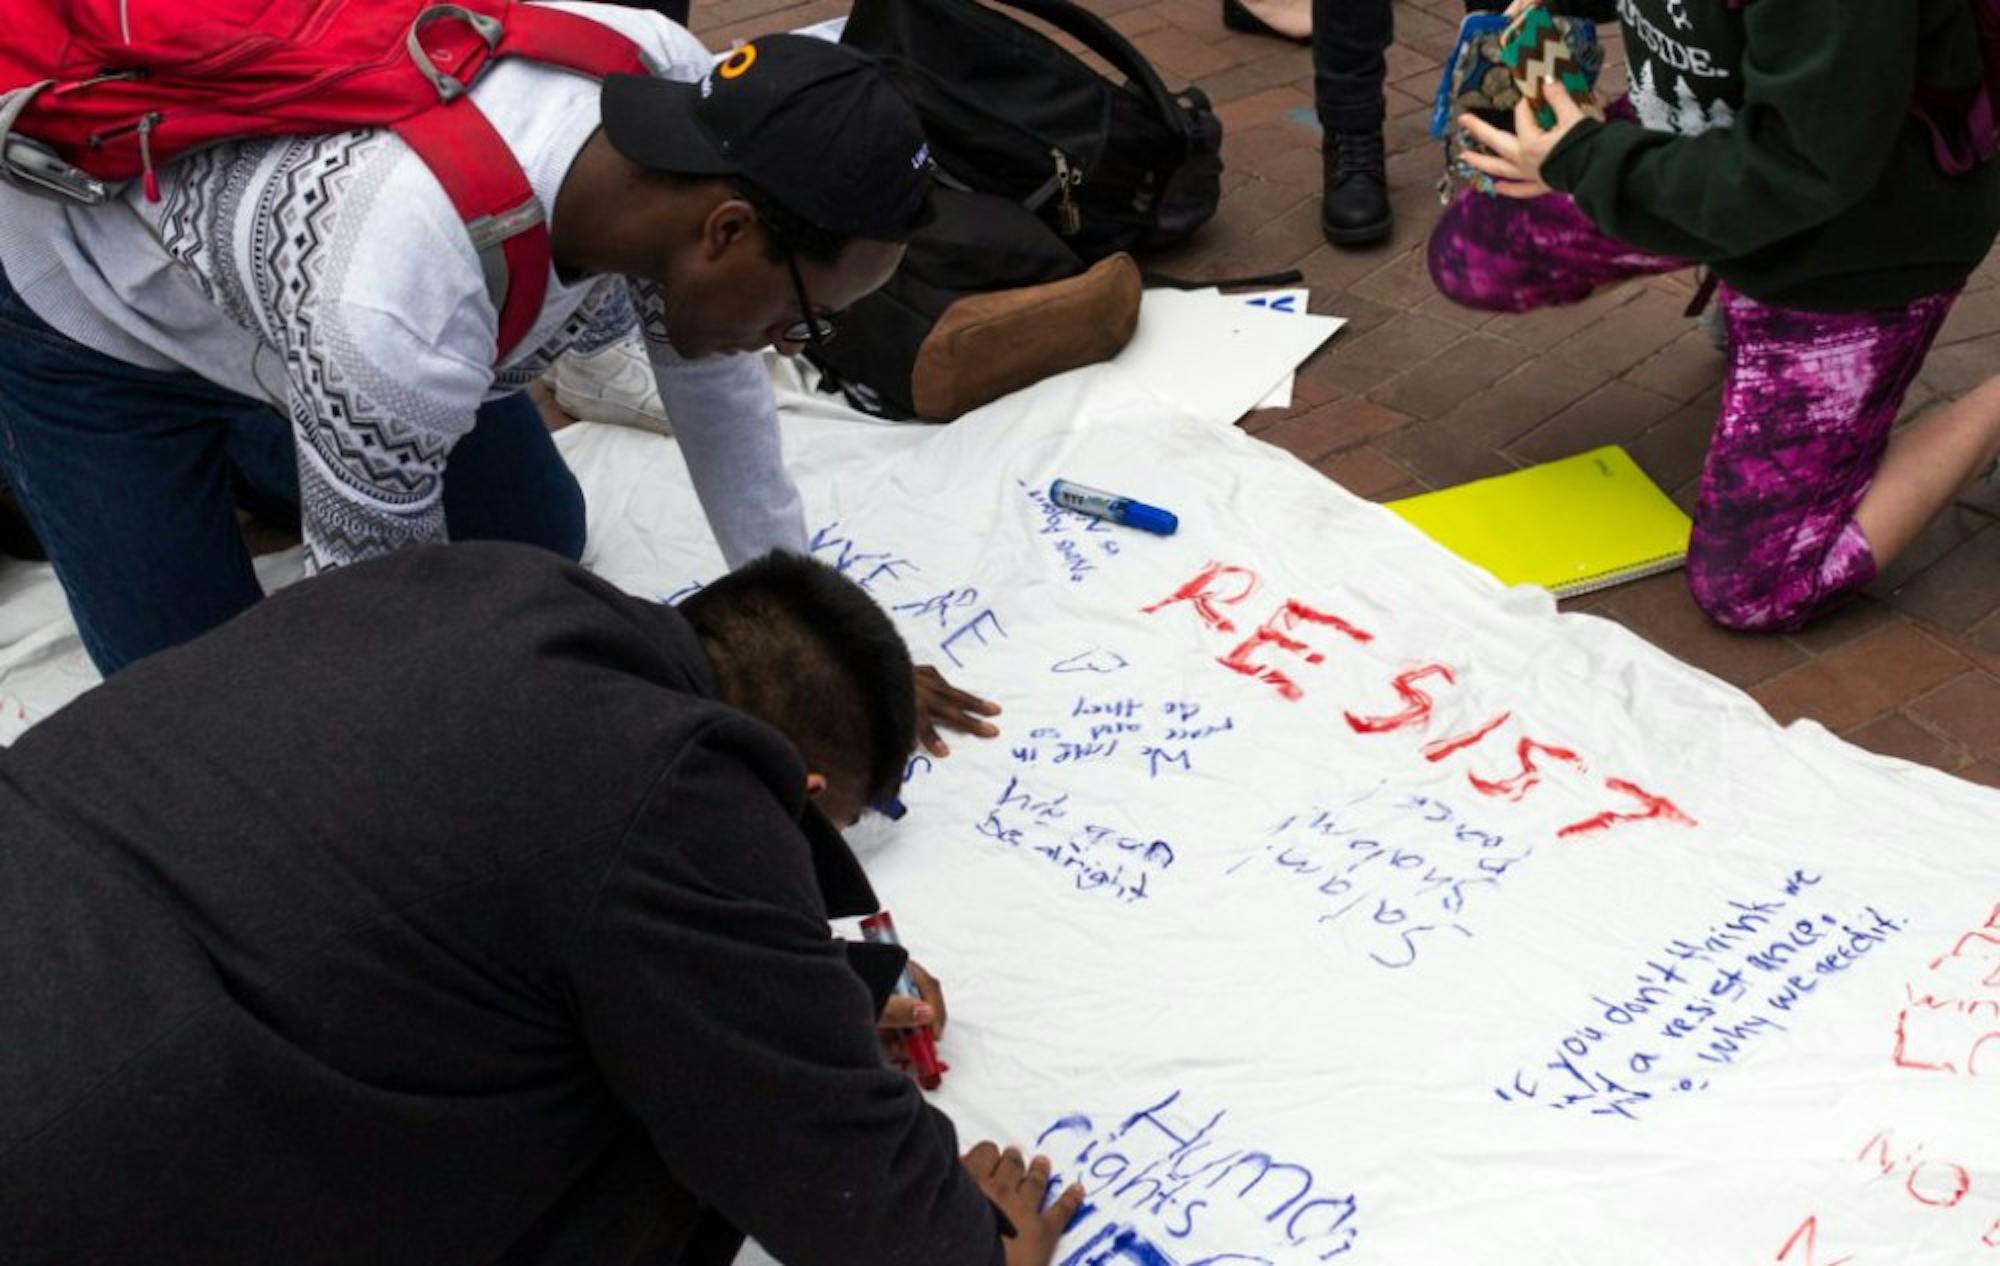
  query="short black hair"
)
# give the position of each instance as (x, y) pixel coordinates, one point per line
(799, 646)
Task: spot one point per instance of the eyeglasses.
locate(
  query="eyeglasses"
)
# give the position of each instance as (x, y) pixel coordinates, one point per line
(814, 328)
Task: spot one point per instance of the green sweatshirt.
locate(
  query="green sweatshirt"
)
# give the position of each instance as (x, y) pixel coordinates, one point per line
(1775, 144)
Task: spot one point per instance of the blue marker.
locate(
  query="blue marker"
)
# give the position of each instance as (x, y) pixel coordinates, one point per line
(1109, 505)
(892, 809)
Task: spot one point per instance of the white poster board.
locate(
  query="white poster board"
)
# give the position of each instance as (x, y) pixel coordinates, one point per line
(1323, 901)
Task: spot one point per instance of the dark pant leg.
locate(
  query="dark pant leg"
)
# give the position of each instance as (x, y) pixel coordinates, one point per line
(17, 538)
(1349, 40)
(124, 474)
(264, 468)
(507, 481)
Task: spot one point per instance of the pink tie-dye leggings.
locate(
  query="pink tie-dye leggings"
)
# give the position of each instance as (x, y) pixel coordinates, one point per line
(1807, 406)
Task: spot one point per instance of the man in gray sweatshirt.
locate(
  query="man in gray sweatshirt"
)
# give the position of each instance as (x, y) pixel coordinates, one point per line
(304, 324)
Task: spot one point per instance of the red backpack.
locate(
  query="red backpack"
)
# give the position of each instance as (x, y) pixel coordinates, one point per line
(94, 93)
(1965, 126)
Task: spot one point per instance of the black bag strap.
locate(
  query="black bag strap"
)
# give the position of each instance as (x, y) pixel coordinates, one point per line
(1102, 38)
(1263, 281)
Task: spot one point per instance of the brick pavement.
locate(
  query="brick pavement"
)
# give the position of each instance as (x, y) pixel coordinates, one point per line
(1417, 394)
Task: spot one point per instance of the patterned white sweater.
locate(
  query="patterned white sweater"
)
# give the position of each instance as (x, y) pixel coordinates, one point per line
(330, 276)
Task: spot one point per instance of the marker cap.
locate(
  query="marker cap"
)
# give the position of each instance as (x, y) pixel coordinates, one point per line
(1150, 518)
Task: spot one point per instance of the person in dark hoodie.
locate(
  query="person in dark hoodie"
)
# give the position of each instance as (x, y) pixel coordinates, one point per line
(1775, 142)
(459, 907)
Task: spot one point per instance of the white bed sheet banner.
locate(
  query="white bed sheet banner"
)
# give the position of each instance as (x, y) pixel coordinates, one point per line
(1323, 901)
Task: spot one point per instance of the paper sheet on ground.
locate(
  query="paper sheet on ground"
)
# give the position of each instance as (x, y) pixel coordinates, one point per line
(1324, 902)
(1216, 357)
(1292, 302)
(1289, 301)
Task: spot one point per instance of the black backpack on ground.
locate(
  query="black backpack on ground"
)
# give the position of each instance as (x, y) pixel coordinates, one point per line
(988, 300)
(1109, 166)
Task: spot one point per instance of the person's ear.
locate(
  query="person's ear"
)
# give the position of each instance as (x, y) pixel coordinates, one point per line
(815, 785)
(730, 223)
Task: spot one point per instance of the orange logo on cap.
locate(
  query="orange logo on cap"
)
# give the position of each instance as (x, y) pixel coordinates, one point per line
(738, 62)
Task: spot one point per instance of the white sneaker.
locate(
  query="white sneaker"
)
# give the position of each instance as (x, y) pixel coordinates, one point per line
(612, 384)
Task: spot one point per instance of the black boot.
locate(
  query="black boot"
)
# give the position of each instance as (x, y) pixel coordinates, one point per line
(1354, 205)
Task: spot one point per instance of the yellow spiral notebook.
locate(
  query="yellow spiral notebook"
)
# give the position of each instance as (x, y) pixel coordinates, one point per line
(1571, 526)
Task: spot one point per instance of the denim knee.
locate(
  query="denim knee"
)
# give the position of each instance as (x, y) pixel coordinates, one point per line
(564, 522)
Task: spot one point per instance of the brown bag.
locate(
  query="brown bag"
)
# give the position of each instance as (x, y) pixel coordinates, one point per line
(986, 345)
(988, 300)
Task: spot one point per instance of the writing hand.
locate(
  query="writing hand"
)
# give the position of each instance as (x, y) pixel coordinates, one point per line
(1018, 1188)
(939, 703)
(1515, 163)
(900, 1013)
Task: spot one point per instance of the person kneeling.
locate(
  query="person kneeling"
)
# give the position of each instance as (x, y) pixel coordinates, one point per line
(459, 907)
(1840, 231)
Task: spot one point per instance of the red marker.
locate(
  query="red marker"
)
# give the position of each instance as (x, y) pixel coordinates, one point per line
(880, 929)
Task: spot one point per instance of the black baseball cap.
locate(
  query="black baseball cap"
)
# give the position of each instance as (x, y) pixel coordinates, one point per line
(816, 125)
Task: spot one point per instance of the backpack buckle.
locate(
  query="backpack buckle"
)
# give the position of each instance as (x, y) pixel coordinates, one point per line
(28, 164)
(489, 235)
(449, 87)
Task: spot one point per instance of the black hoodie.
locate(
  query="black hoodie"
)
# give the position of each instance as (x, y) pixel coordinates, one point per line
(436, 911)
(1776, 144)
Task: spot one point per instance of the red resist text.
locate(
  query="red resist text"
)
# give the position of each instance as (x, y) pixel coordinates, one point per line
(1272, 652)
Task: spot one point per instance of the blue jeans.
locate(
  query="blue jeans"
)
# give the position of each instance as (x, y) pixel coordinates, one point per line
(131, 478)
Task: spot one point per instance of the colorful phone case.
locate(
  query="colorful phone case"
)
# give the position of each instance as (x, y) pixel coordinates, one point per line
(1485, 73)
(1536, 49)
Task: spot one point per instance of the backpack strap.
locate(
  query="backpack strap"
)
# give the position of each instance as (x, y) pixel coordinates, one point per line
(28, 164)
(1102, 38)
(542, 34)
(1703, 294)
(1261, 281)
(483, 179)
(491, 194)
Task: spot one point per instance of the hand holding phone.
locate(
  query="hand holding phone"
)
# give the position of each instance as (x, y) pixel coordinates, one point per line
(1535, 50)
